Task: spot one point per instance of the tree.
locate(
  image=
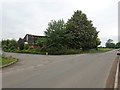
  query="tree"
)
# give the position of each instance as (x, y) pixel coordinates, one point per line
(4, 45)
(110, 44)
(56, 36)
(13, 44)
(21, 46)
(84, 35)
(117, 45)
(98, 42)
(109, 41)
(26, 46)
(40, 42)
(9, 44)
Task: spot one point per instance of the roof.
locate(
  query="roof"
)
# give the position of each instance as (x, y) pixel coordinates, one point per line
(34, 35)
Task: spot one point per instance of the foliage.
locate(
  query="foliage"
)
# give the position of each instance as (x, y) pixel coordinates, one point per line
(62, 38)
(84, 35)
(26, 46)
(21, 46)
(56, 36)
(6, 60)
(117, 45)
(40, 42)
(9, 44)
(109, 41)
(100, 50)
(110, 44)
(30, 51)
(98, 42)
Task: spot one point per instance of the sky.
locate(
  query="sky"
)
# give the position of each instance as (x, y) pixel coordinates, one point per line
(21, 17)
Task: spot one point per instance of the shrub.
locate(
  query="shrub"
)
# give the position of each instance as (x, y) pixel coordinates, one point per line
(26, 46)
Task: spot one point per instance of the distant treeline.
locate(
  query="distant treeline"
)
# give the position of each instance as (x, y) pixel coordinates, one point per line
(110, 44)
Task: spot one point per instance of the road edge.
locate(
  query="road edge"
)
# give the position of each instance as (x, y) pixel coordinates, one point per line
(6, 65)
(116, 76)
(112, 75)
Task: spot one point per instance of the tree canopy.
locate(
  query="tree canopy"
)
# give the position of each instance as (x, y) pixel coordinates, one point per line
(9, 44)
(56, 35)
(110, 44)
(84, 34)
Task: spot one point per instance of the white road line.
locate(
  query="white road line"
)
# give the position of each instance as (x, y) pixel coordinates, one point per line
(116, 77)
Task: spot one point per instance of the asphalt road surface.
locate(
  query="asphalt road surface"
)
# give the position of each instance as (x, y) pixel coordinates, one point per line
(60, 71)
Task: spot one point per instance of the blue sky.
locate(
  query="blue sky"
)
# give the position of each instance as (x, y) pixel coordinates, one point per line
(20, 17)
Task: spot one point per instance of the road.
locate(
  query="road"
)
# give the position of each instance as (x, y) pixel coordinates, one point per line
(60, 71)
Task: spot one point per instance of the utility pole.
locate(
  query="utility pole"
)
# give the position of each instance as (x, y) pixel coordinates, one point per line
(119, 21)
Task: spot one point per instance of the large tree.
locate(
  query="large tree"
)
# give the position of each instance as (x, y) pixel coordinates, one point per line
(56, 35)
(84, 34)
(110, 44)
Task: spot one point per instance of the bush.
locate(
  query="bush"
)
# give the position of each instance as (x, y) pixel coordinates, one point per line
(26, 46)
(73, 51)
(21, 46)
(56, 51)
(30, 51)
(64, 51)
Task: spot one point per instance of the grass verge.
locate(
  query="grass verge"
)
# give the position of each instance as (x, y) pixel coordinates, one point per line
(6, 61)
(63, 52)
(79, 51)
(100, 50)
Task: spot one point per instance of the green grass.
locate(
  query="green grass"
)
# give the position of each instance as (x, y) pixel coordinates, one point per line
(92, 51)
(6, 60)
(101, 50)
(64, 52)
(79, 51)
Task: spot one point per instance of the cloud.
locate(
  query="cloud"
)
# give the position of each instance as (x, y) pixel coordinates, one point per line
(32, 16)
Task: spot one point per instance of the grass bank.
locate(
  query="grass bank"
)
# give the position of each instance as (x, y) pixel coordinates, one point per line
(100, 50)
(6, 61)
